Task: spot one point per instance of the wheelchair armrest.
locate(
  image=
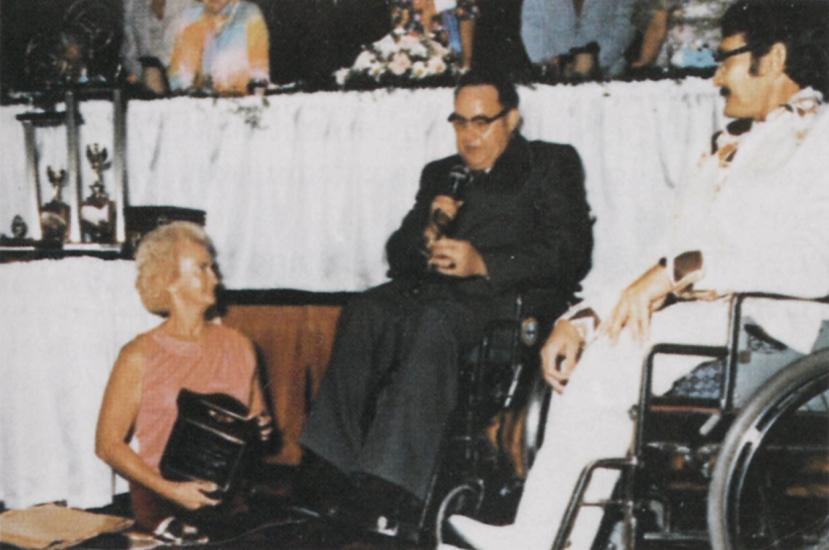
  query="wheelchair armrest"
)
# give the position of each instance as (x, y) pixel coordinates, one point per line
(736, 309)
(545, 304)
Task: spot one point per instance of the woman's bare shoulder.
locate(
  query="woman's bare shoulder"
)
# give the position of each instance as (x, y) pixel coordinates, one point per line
(134, 352)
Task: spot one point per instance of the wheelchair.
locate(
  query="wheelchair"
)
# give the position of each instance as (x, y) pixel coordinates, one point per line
(491, 439)
(710, 471)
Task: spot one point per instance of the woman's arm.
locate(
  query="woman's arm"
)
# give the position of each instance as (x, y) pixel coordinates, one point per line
(115, 421)
(652, 40)
(256, 399)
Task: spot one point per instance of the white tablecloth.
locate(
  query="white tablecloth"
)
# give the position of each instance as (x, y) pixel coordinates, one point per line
(303, 199)
(61, 327)
(305, 196)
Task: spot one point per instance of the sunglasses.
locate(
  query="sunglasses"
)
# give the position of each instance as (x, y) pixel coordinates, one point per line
(722, 55)
(479, 123)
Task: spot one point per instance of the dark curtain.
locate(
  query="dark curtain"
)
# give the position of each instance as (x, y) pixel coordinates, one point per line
(310, 39)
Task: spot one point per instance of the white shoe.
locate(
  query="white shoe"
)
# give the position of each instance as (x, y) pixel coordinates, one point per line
(482, 536)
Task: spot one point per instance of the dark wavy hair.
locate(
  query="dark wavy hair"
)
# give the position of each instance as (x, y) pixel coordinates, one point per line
(801, 25)
(507, 94)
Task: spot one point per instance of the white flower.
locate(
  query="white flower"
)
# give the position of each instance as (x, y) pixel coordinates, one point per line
(386, 46)
(364, 60)
(435, 65)
(414, 46)
(376, 71)
(436, 48)
(341, 76)
(419, 70)
(400, 63)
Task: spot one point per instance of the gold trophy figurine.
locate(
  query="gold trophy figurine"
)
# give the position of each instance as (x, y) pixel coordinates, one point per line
(54, 215)
(97, 210)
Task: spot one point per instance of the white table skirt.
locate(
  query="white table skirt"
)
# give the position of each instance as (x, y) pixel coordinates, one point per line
(304, 200)
(306, 197)
(61, 327)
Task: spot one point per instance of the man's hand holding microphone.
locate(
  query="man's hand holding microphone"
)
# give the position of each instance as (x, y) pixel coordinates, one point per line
(448, 256)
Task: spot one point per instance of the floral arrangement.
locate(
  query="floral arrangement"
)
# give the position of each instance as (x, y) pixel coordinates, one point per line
(400, 59)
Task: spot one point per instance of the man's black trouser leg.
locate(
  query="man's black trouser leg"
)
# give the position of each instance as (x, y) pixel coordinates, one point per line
(411, 345)
(403, 442)
(364, 345)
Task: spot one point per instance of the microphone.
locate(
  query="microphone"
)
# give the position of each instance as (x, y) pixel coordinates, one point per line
(459, 176)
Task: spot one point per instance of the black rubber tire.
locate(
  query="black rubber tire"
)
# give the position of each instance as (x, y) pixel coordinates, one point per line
(790, 388)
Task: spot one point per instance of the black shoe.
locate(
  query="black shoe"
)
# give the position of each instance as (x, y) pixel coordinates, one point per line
(321, 487)
(386, 508)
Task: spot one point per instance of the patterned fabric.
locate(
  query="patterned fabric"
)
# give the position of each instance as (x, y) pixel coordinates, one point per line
(705, 381)
(693, 32)
(223, 52)
(444, 25)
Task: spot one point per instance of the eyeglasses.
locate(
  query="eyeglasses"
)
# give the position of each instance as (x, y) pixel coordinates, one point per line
(722, 55)
(479, 123)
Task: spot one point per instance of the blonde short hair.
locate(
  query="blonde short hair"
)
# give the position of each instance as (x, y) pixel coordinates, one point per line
(157, 261)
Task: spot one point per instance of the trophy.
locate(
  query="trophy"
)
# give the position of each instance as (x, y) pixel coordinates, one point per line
(97, 210)
(19, 228)
(54, 215)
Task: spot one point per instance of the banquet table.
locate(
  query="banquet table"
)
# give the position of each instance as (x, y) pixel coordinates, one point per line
(301, 192)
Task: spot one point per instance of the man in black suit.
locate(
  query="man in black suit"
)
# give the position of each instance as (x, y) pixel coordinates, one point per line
(523, 221)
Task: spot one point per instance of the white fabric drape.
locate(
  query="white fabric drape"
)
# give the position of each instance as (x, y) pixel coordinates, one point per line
(306, 196)
(61, 327)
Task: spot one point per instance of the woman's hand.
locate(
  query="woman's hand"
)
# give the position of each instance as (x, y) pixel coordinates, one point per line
(191, 494)
(560, 353)
(264, 424)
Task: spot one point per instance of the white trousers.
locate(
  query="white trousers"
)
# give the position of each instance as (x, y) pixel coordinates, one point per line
(591, 421)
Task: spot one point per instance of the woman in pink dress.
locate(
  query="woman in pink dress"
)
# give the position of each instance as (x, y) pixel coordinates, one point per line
(177, 280)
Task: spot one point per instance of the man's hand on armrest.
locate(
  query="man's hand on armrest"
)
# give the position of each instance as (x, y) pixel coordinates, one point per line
(560, 354)
(637, 303)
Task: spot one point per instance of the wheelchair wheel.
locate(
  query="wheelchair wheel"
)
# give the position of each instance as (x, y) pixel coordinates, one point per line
(770, 486)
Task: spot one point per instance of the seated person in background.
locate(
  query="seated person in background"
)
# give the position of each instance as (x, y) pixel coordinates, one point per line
(176, 279)
(523, 221)
(149, 33)
(752, 218)
(222, 46)
(563, 36)
(681, 34)
(451, 21)
(498, 39)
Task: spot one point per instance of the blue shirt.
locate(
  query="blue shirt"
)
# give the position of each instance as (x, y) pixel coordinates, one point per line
(552, 27)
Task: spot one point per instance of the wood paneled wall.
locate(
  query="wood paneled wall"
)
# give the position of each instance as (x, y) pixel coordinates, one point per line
(294, 345)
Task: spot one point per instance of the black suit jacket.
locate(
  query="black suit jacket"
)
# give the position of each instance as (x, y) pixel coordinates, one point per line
(528, 217)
